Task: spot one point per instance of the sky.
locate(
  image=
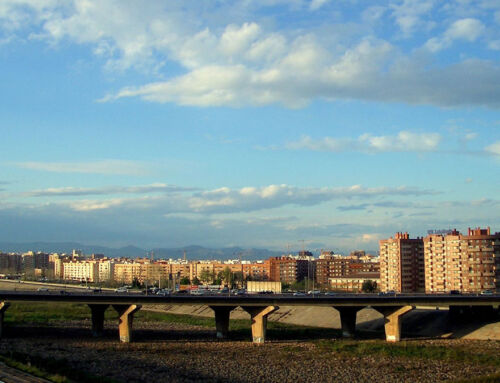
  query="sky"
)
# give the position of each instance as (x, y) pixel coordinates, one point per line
(274, 123)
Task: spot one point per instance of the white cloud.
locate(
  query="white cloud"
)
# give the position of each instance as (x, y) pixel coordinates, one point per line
(409, 14)
(116, 167)
(317, 4)
(468, 29)
(257, 198)
(78, 191)
(230, 55)
(494, 45)
(493, 149)
(404, 141)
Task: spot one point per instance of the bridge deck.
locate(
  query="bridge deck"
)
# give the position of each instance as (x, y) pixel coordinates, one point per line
(360, 300)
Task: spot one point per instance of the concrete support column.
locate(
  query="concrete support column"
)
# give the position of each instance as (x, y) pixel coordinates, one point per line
(393, 316)
(97, 311)
(222, 320)
(3, 307)
(348, 319)
(125, 319)
(259, 320)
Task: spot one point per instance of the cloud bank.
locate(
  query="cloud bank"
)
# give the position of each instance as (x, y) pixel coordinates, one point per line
(230, 55)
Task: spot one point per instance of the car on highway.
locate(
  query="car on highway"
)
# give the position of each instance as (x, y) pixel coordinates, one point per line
(314, 292)
(163, 292)
(121, 290)
(299, 294)
(330, 293)
(42, 289)
(486, 292)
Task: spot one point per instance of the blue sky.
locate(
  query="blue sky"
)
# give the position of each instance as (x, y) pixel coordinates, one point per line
(250, 123)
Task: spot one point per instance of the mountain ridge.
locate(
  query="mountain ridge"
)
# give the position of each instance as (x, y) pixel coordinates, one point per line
(193, 252)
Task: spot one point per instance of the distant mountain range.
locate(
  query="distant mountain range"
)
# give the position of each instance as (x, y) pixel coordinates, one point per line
(192, 252)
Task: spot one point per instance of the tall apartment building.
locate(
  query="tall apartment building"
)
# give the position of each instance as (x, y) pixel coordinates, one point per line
(402, 264)
(106, 269)
(468, 263)
(10, 263)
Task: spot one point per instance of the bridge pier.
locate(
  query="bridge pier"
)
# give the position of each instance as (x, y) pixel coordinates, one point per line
(259, 320)
(3, 307)
(393, 319)
(125, 319)
(348, 319)
(97, 311)
(222, 314)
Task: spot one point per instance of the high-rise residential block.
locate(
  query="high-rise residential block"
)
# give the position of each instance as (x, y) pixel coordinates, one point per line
(402, 264)
(467, 263)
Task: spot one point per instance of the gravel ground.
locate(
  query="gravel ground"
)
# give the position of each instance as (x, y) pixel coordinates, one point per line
(182, 353)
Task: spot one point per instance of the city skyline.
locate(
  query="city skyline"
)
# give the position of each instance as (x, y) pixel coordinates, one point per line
(256, 124)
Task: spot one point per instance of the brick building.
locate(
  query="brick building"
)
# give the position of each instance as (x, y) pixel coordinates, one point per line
(402, 264)
(288, 269)
(468, 263)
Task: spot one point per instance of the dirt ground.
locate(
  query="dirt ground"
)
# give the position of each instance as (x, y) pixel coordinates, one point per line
(185, 353)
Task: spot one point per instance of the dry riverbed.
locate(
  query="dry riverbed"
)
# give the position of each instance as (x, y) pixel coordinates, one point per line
(186, 353)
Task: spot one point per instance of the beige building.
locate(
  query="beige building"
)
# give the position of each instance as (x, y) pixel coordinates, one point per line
(141, 271)
(81, 271)
(353, 283)
(106, 270)
(402, 264)
(467, 263)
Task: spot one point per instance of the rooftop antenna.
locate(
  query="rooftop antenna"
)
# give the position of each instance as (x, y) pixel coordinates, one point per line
(184, 255)
(152, 256)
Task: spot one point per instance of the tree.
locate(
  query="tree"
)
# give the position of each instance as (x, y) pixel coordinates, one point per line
(184, 281)
(227, 276)
(369, 286)
(238, 278)
(207, 276)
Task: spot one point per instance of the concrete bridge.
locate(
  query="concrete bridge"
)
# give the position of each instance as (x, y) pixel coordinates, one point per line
(392, 307)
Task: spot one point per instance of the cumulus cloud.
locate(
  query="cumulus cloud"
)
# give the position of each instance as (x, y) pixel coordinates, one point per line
(404, 141)
(117, 167)
(409, 14)
(237, 60)
(257, 198)
(468, 29)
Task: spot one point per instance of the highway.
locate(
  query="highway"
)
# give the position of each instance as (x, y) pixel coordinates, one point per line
(253, 299)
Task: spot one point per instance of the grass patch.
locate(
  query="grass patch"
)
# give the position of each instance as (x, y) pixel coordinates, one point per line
(55, 370)
(408, 350)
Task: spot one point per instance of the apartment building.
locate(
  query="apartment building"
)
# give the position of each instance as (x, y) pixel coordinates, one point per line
(10, 263)
(467, 263)
(106, 269)
(288, 269)
(143, 272)
(330, 266)
(402, 264)
(80, 271)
